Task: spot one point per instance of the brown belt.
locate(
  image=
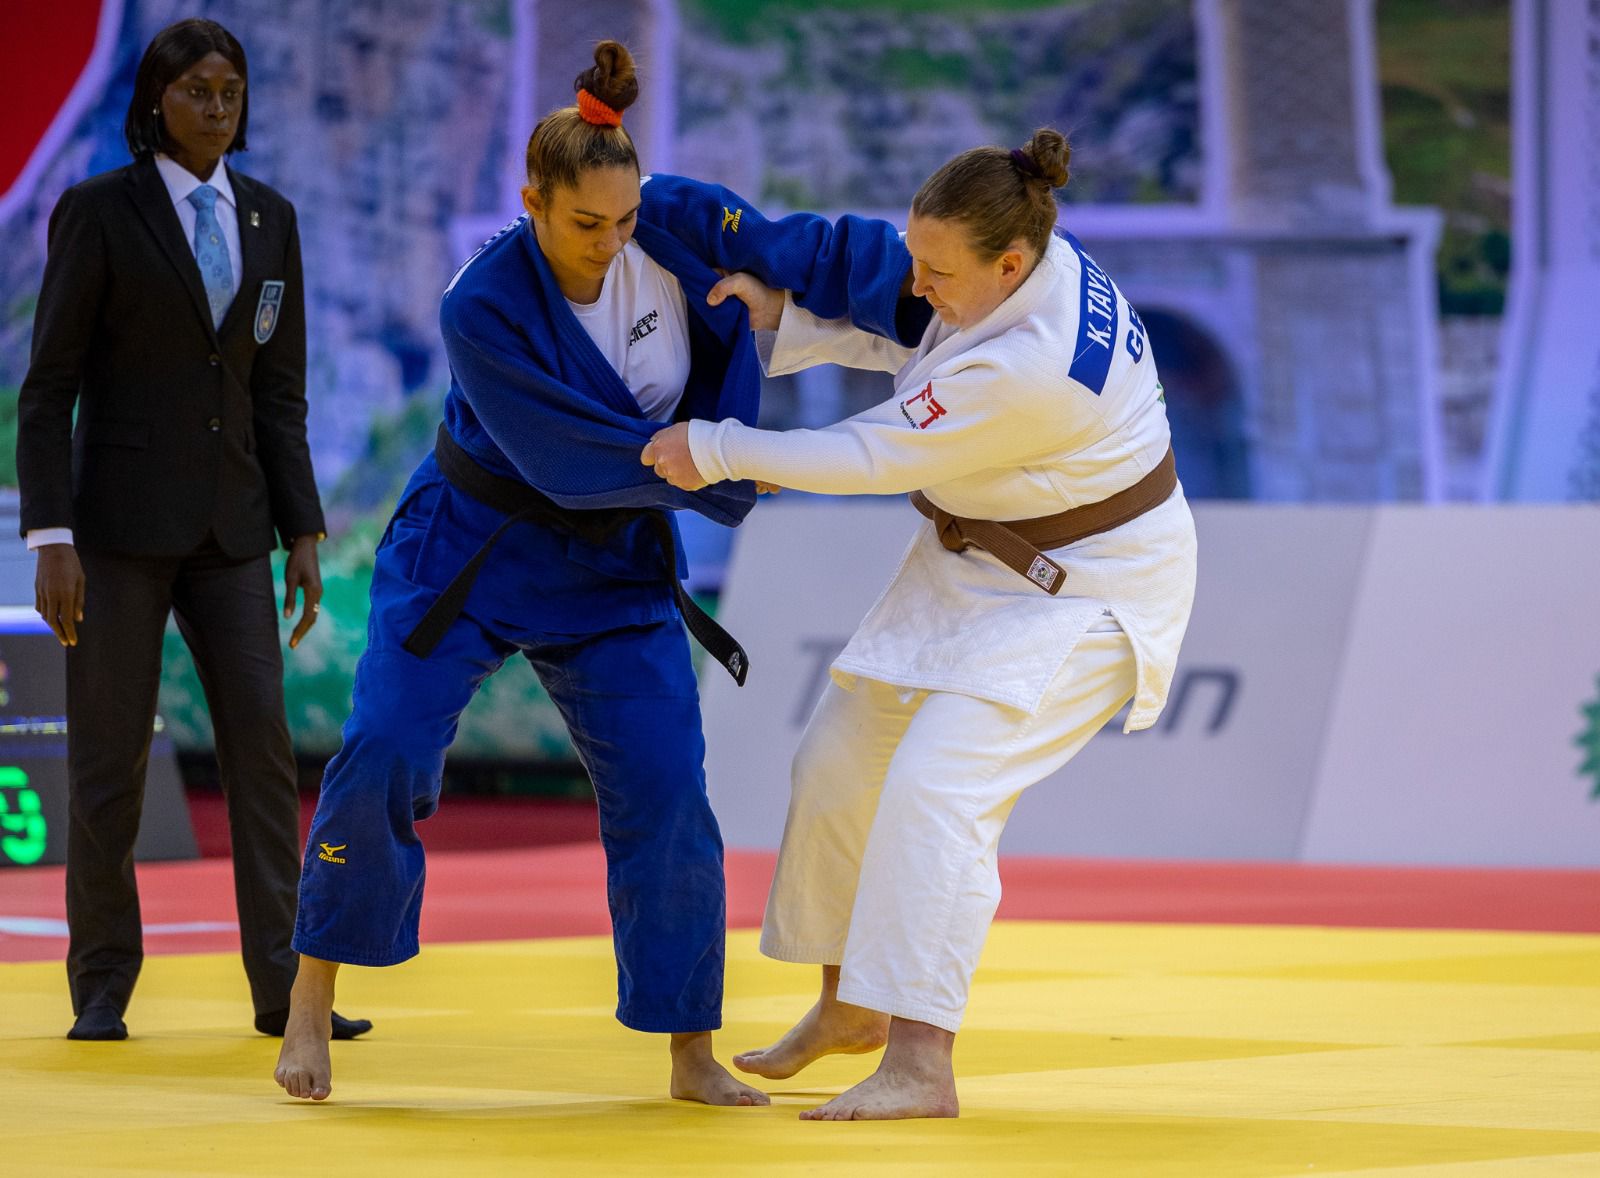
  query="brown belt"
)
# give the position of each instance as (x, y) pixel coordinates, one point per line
(1017, 543)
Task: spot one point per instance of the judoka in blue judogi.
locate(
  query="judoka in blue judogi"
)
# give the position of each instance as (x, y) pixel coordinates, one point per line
(534, 404)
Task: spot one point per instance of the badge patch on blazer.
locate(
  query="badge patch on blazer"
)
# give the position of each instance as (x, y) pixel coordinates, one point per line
(267, 310)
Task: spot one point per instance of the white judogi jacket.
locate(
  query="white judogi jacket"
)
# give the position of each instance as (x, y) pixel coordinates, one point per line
(1050, 402)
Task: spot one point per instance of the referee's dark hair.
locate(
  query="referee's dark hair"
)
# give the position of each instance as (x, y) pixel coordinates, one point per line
(169, 55)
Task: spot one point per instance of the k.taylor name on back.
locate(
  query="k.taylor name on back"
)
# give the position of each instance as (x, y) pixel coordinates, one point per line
(1107, 324)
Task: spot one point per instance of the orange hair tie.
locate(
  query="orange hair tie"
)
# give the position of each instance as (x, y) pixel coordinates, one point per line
(592, 110)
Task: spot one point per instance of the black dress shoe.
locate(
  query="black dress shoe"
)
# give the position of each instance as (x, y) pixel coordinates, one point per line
(349, 1028)
(99, 1022)
(274, 1022)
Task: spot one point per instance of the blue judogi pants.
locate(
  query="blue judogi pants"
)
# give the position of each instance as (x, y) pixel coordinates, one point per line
(632, 707)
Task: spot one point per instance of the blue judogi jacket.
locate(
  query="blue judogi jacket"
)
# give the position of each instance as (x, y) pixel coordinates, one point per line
(532, 398)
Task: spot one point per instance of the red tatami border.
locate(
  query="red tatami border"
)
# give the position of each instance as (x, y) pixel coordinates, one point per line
(560, 891)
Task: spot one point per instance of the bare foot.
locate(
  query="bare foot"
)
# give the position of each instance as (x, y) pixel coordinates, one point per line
(304, 1067)
(696, 1075)
(891, 1095)
(914, 1079)
(830, 1027)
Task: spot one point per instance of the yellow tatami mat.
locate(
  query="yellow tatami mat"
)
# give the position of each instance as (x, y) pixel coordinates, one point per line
(1090, 1049)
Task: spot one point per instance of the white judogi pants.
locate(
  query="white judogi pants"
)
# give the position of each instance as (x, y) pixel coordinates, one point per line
(888, 866)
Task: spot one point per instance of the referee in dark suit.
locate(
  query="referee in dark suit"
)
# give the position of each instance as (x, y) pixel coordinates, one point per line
(173, 315)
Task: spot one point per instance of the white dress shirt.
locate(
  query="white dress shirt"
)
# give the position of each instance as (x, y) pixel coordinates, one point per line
(180, 183)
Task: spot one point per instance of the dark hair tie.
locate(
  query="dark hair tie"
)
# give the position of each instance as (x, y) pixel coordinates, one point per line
(1026, 164)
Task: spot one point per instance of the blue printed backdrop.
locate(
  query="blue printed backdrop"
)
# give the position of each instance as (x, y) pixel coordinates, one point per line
(397, 127)
(389, 123)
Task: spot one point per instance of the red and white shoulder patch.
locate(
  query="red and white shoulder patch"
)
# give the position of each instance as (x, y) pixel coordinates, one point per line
(922, 410)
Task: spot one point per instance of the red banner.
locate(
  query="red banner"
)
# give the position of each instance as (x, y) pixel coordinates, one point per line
(47, 45)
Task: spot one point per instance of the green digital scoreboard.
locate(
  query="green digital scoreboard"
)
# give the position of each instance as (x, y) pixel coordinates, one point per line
(33, 757)
(23, 830)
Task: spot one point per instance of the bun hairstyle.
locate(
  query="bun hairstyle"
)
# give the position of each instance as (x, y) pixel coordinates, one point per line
(1000, 197)
(589, 134)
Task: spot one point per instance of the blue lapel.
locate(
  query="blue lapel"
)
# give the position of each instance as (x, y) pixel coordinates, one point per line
(728, 321)
(723, 380)
(582, 367)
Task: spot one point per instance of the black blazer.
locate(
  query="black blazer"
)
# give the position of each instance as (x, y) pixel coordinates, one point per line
(182, 428)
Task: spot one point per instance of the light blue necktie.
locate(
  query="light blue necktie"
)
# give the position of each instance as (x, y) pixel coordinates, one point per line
(211, 251)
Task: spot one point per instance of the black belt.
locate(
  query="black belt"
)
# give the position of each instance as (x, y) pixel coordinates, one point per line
(519, 502)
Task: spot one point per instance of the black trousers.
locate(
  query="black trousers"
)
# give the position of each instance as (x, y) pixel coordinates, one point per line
(226, 611)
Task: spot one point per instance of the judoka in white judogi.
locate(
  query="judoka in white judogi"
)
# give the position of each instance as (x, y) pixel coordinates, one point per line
(966, 683)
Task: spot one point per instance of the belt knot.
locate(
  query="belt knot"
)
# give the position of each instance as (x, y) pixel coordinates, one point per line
(949, 529)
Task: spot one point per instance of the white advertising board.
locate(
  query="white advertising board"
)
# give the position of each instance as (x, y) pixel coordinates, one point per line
(1459, 731)
(1357, 685)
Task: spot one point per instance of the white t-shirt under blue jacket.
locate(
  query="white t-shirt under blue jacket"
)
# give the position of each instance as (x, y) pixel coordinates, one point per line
(640, 324)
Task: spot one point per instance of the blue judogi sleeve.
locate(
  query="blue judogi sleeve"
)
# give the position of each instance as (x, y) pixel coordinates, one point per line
(853, 267)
